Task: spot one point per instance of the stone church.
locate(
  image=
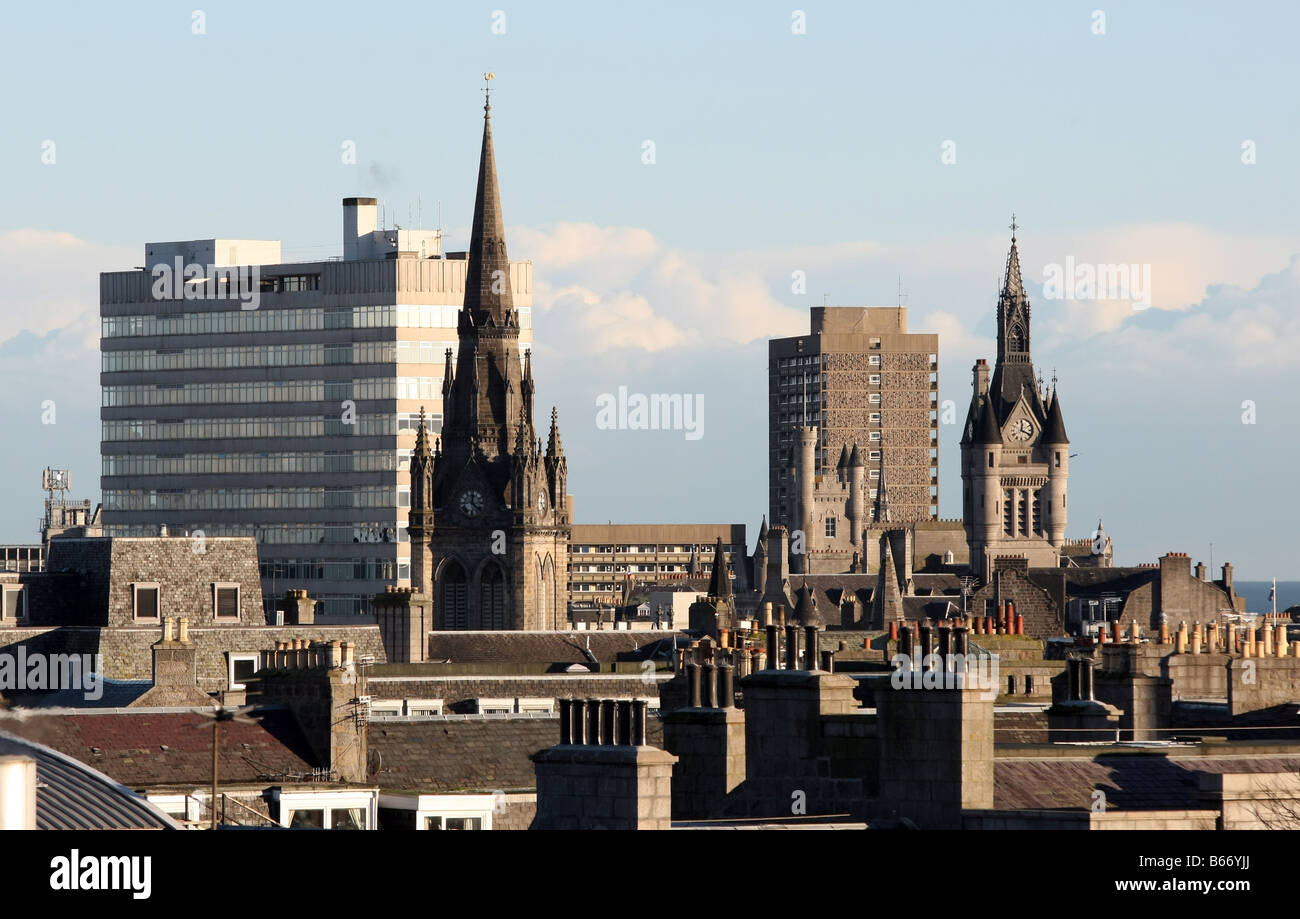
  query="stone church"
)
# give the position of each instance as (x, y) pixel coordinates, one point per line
(1015, 456)
(490, 523)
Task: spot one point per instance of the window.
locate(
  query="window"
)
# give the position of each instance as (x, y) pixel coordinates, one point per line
(225, 601)
(310, 819)
(14, 606)
(382, 710)
(242, 667)
(145, 601)
(495, 706)
(1058, 459)
(535, 705)
(347, 818)
(830, 526)
(424, 708)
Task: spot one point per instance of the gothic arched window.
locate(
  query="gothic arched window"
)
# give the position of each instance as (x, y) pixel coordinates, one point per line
(1015, 338)
(492, 598)
(453, 612)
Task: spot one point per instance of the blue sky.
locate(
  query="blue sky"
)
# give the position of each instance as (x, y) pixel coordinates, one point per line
(775, 152)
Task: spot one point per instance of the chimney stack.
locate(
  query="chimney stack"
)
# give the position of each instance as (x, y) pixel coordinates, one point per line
(359, 220)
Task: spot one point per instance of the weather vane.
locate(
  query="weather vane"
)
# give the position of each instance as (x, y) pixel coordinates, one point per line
(1013, 225)
(487, 90)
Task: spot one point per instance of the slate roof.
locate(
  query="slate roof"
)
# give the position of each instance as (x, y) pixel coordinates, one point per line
(566, 647)
(1130, 782)
(116, 694)
(147, 749)
(72, 796)
(472, 754)
(441, 756)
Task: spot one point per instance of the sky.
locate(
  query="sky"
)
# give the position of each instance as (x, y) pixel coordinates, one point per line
(670, 169)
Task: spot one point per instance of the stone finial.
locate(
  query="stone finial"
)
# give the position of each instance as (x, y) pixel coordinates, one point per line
(184, 634)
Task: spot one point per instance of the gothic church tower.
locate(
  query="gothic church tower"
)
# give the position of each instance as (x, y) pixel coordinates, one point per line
(489, 520)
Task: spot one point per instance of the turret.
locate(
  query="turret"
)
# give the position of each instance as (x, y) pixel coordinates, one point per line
(857, 467)
(807, 472)
(420, 518)
(986, 477)
(1057, 445)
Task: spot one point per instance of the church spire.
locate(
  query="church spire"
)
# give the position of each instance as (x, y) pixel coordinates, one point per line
(882, 498)
(720, 580)
(487, 275)
(421, 438)
(1012, 283)
(553, 445)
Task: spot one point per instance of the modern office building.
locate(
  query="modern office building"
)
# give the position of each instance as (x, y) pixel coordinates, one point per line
(243, 396)
(859, 378)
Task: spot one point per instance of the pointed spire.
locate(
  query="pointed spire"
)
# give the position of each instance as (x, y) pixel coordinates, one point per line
(844, 458)
(762, 532)
(855, 458)
(487, 276)
(805, 610)
(882, 497)
(553, 445)
(1054, 430)
(720, 581)
(1012, 284)
(421, 437)
(986, 427)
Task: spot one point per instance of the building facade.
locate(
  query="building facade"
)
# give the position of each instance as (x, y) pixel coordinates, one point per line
(490, 512)
(289, 417)
(859, 377)
(607, 560)
(1014, 449)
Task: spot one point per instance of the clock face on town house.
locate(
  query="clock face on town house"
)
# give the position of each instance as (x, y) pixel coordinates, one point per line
(471, 503)
(1022, 429)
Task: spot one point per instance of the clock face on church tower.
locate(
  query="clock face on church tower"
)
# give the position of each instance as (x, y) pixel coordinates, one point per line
(471, 503)
(1022, 430)
(541, 503)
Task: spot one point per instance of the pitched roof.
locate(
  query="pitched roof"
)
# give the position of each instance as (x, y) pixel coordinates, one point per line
(1130, 782)
(567, 647)
(451, 755)
(72, 796)
(144, 749)
(443, 755)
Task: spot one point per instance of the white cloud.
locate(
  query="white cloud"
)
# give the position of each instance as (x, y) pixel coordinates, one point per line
(52, 282)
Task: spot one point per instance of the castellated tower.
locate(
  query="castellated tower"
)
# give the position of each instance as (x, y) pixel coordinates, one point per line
(1014, 449)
